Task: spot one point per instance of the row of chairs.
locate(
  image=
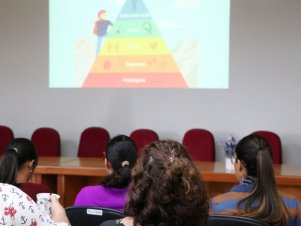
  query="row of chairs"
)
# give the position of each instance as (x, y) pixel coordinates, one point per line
(46, 140)
(201, 144)
(94, 216)
(93, 140)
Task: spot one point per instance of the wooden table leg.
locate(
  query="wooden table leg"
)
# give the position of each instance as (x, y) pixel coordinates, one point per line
(61, 188)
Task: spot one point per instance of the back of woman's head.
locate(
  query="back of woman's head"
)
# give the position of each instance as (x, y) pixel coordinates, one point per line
(167, 188)
(17, 152)
(255, 154)
(121, 153)
(251, 149)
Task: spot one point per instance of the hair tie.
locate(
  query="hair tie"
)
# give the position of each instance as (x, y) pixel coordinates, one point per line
(125, 163)
(15, 149)
(262, 148)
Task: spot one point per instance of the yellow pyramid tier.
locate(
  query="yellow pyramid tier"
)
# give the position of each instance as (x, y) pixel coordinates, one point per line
(134, 46)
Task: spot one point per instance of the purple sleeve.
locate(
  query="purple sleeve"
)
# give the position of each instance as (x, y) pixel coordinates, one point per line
(81, 198)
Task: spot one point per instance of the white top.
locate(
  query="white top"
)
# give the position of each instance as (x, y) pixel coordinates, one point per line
(17, 208)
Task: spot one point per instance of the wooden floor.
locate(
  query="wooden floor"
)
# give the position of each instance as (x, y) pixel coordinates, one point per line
(67, 175)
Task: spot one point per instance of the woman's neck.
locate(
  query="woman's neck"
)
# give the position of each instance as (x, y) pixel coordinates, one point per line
(22, 177)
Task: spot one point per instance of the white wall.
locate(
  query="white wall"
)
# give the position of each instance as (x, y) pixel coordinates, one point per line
(265, 66)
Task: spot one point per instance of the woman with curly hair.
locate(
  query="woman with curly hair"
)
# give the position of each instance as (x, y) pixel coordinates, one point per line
(166, 189)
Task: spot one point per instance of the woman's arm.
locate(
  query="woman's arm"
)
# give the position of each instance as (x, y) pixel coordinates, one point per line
(58, 212)
(17, 208)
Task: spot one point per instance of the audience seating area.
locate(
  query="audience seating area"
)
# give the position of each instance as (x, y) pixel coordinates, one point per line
(92, 143)
(93, 140)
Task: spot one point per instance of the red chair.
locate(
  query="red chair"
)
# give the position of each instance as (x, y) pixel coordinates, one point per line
(93, 142)
(275, 142)
(200, 144)
(143, 137)
(47, 141)
(6, 135)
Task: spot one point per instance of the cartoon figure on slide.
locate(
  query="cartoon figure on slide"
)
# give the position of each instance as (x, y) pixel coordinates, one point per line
(101, 27)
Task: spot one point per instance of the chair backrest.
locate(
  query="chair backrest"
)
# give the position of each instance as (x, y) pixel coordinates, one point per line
(47, 141)
(227, 220)
(93, 142)
(6, 135)
(275, 142)
(91, 216)
(143, 137)
(200, 144)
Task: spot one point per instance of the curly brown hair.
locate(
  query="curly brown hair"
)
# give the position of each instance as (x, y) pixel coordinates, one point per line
(167, 189)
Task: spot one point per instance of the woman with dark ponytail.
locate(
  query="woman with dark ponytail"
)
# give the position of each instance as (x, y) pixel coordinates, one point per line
(120, 157)
(18, 164)
(257, 195)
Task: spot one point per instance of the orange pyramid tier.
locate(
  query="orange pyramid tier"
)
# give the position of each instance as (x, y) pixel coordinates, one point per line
(137, 80)
(133, 64)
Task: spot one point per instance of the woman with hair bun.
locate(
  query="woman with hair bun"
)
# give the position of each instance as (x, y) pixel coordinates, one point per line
(166, 189)
(257, 195)
(120, 157)
(18, 164)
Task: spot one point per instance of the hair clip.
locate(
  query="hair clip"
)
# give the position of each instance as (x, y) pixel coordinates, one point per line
(125, 163)
(15, 149)
(171, 159)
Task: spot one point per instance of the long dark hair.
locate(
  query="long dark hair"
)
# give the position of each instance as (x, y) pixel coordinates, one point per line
(264, 202)
(167, 189)
(17, 152)
(121, 152)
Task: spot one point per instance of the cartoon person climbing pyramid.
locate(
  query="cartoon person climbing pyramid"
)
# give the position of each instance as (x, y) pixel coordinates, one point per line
(101, 27)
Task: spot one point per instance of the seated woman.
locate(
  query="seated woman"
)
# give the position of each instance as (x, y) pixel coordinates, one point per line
(166, 189)
(120, 157)
(257, 195)
(17, 165)
(17, 208)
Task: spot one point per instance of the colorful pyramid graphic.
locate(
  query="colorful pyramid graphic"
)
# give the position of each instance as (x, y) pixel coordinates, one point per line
(134, 54)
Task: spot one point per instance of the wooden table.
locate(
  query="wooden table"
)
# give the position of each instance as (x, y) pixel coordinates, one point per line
(67, 175)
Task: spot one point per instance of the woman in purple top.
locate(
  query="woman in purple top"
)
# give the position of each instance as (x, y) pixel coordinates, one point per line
(120, 157)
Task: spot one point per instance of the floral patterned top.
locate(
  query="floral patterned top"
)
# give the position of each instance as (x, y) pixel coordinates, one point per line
(17, 208)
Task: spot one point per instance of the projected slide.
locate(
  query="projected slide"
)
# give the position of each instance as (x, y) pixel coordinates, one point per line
(139, 44)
